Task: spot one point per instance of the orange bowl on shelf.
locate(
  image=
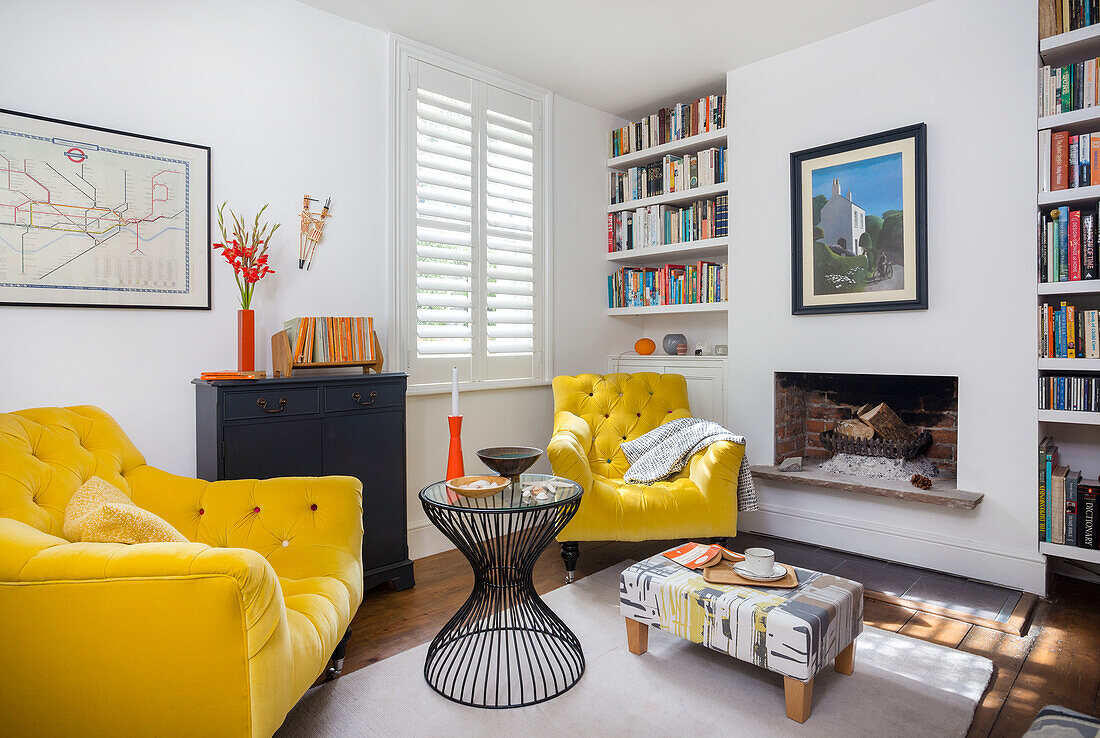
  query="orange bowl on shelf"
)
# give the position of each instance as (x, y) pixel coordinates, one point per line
(645, 346)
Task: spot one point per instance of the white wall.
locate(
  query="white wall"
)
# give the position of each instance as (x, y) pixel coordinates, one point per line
(291, 100)
(967, 69)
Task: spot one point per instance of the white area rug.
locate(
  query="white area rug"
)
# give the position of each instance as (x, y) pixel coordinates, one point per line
(901, 687)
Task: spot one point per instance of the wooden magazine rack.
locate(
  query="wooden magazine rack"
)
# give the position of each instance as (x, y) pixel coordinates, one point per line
(283, 363)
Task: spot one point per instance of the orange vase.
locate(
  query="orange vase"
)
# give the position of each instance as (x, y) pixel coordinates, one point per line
(246, 340)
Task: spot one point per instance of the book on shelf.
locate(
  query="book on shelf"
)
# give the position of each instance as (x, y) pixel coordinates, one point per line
(1073, 480)
(1068, 502)
(1068, 161)
(1068, 332)
(669, 124)
(672, 284)
(1088, 505)
(1067, 243)
(1063, 16)
(1047, 453)
(230, 374)
(662, 225)
(674, 173)
(324, 340)
(1056, 524)
(1079, 393)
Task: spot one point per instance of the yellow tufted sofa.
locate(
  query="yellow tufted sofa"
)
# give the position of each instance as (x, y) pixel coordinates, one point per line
(593, 415)
(216, 637)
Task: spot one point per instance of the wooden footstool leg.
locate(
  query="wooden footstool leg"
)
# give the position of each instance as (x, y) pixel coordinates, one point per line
(799, 697)
(637, 636)
(846, 659)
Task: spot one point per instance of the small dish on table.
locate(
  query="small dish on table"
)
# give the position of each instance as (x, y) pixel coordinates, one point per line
(478, 485)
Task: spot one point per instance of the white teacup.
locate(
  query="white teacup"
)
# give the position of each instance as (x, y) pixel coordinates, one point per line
(760, 561)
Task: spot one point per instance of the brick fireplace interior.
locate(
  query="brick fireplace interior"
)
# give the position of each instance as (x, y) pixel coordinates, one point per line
(807, 404)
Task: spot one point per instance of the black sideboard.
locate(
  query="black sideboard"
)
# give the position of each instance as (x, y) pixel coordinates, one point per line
(314, 426)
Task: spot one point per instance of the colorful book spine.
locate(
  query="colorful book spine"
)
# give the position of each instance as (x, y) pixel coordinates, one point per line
(1063, 244)
(1072, 481)
(1075, 245)
(1087, 500)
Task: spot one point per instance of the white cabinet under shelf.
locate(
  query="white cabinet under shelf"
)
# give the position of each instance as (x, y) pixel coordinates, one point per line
(705, 375)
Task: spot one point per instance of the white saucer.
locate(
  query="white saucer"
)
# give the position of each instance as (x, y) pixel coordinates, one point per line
(777, 573)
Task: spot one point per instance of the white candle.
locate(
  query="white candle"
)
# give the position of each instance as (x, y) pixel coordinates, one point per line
(454, 390)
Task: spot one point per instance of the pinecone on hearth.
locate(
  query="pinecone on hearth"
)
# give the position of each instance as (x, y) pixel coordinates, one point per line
(922, 482)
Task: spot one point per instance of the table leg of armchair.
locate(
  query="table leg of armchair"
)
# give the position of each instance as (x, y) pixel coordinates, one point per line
(337, 661)
(570, 552)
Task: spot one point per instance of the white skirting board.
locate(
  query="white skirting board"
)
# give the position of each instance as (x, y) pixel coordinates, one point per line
(425, 540)
(1024, 570)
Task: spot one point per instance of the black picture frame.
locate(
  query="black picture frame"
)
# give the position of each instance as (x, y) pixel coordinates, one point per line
(203, 217)
(919, 300)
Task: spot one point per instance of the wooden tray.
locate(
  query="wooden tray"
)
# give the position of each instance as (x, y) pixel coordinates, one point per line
(499, 483)
(723, 573)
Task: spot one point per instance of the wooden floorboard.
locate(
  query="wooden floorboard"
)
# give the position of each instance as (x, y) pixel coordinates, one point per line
(1008, 653)
(1057, 661)
(936, 629)
(1063, 665)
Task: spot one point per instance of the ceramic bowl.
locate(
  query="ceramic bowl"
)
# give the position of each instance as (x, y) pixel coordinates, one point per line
(457, 485)
(509, 461)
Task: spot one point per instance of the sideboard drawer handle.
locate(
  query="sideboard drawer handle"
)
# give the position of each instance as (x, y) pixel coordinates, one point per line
(262, 404)
(359, 398)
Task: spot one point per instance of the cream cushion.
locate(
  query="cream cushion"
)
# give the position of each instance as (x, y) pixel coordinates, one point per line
(99, 512)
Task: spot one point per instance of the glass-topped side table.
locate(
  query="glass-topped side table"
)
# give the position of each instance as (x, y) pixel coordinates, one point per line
(504, 647)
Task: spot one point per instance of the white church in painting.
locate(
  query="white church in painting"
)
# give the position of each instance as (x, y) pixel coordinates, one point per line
(842, 221)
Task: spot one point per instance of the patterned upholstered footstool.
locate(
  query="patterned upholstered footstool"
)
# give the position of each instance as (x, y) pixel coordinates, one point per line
(794, 632)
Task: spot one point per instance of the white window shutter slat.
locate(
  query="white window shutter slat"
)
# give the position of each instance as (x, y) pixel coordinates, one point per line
(474, 155)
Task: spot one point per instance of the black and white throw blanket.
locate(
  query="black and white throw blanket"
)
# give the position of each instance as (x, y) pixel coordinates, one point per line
(667, 449)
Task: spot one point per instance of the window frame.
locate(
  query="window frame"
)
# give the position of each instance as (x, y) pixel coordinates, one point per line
(402, 162)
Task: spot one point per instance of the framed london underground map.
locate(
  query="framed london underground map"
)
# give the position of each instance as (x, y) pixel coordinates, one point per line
(91, 217)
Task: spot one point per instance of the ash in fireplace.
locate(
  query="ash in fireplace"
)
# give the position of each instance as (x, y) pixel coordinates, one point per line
(877, 467)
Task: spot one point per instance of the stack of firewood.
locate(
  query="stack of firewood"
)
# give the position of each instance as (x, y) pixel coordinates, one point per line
(878, 419)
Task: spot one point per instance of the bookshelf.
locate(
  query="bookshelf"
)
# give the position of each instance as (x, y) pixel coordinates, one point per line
(1068, 197)
(714, 250)
(688, 145)
(1070, 365)
(1070, 552)
(1070, 417)
(707, 248)
(1071, 429)
(672, 198)
(698, 307)
(1088, 287)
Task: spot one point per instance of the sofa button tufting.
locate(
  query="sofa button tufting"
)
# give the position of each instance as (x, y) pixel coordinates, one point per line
(286, 543)
(255, 509)
(313, 507)
(638, 414)
(202, 511)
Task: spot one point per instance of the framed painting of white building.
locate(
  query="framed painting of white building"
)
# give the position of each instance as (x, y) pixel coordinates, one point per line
(858, 225)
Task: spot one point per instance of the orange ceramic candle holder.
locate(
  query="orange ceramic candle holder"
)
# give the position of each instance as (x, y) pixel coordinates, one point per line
(455, 467)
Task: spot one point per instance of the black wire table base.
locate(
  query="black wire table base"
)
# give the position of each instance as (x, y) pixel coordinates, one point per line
(504, 647)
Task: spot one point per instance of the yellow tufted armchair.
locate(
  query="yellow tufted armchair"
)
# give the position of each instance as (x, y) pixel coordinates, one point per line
(593, 415)
(216, 637)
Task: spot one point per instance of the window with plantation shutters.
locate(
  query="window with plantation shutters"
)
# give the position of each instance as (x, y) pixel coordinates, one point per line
(470, 231)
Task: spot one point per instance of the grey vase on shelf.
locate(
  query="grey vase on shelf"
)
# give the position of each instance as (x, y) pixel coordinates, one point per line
(671, 341)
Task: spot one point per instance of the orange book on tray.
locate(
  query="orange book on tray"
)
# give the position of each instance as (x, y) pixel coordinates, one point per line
(697, 556)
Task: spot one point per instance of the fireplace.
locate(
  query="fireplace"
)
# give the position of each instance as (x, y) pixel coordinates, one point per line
(809, 404)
